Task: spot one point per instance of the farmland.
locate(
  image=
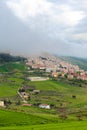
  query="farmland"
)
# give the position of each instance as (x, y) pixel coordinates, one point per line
(10, 120)
(57, 92)
(72, 126)
(53, 92)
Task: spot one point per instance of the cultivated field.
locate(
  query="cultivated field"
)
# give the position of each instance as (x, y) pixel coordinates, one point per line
(54, 93)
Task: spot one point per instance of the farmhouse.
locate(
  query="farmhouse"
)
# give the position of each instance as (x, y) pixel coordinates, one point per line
(54, 74)
(46, 106)
(25, 95)
(36, 91)
(2, 104)
(26, 104)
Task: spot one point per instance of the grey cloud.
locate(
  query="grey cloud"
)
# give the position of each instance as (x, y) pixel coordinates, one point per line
(20, 38)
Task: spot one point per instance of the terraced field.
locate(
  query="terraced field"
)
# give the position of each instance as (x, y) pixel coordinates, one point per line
(57, 92)
(34, 118)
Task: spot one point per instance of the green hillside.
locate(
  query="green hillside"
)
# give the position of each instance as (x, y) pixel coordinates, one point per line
(52, 92)
(10, 63)
(10, 118)
(59, 126)
(19, 121)
(12, 66)
(57, 92)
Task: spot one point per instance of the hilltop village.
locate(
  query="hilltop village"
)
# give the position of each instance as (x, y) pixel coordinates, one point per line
(55, 67)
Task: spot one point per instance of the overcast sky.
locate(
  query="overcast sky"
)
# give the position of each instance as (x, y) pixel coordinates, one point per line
(33, 26)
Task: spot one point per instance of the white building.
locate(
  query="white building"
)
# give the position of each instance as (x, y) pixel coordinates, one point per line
(2, 104)
(46, 106)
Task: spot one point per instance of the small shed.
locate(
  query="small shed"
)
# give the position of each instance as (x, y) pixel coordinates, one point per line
(25, 95)
(26, 104)
(36, 91)
(46, 106)
(2, 104)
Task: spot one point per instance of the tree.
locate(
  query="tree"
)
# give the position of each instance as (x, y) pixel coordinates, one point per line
(74, 96)
(7, 102)
(66, 76)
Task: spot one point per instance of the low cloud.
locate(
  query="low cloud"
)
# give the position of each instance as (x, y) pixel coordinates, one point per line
(61, 23)
(80, 36)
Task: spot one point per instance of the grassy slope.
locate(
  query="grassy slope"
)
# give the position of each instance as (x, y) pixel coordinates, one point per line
(9, 88)
(9, 67)
(10, 118)
(60, 126)
(20, 121)
(50, 91)
(40, 116)
(63, 89)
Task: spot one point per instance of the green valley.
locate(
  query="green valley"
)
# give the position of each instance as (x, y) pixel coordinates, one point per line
(66, 100)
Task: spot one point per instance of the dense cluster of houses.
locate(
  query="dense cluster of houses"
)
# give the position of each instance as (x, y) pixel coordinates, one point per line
(56, 67)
